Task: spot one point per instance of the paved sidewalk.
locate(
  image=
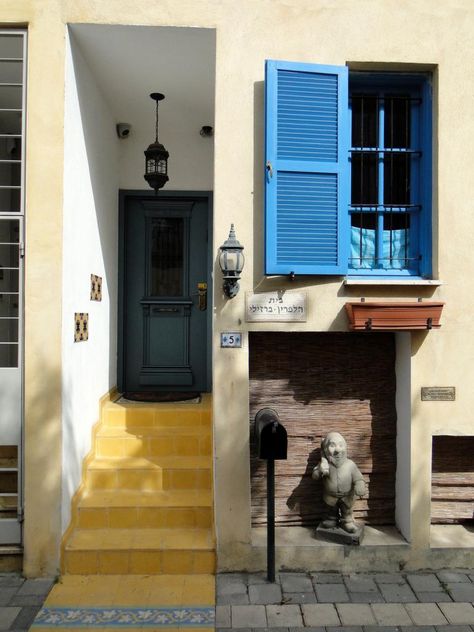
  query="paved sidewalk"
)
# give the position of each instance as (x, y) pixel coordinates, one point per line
(426, 601)
(20, 600)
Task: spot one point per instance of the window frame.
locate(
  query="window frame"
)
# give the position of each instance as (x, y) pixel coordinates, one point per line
(419, 87)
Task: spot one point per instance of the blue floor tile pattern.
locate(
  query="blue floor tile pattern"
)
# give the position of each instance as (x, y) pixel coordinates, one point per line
(182, 617)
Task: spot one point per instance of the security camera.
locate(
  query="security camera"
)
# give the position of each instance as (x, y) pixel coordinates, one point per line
(123, 130)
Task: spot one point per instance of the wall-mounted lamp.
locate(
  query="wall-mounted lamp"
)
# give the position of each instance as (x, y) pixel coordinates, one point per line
(231, 261)
(156, 156)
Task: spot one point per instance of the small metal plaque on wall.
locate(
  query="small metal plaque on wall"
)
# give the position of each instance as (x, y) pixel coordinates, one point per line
(280, 306)
(438, 393)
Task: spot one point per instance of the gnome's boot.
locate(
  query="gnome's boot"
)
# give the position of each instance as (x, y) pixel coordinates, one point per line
(347, 519)
(331, 518)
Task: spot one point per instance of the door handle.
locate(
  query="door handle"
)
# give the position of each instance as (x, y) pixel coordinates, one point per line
(202, 296)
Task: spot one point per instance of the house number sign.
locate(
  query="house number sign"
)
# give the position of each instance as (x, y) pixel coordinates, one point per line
(277, 306)
(231, 339)
(438, 393)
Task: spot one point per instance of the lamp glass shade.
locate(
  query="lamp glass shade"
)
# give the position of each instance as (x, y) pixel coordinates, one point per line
(231, 262)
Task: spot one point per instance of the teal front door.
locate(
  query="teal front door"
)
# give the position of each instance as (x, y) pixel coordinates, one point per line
(165, 270)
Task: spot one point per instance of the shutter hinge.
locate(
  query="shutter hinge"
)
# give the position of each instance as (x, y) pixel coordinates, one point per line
(22, 249)
(21, 514)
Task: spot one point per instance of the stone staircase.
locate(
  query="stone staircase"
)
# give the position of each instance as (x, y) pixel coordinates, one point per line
(145, 505)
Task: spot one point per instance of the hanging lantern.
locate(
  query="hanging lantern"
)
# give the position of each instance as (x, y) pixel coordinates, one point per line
(156, 156)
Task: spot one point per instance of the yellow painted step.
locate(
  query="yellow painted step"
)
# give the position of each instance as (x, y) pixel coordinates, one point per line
(130, 414)
(140, 539)
(143, 441)
(154, 551)
(137, 562)
(88, 591)
(134, 509)
(152, 474)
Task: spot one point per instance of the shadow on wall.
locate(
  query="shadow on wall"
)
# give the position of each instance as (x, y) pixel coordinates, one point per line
(42, 468)
(319, 382)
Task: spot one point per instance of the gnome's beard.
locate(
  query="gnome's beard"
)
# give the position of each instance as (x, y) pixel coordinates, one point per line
(337, 459)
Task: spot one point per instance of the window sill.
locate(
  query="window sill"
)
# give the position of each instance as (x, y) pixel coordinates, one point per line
(407, 281)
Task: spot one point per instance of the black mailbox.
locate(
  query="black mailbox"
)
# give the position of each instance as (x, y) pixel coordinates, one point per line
(272, 440)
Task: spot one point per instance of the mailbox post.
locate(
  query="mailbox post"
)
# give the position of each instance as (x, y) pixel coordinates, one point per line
(272, 444)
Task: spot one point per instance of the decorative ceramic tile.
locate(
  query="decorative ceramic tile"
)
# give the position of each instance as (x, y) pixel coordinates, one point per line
(96, 288)
(81, 327)
(182, 617)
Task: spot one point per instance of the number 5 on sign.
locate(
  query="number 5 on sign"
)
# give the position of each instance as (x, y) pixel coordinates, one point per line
(231, 339)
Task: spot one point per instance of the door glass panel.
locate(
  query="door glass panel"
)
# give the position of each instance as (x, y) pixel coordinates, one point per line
(167, 257)
(10, 122)
(10, 200)
(8, 305)
(10, 148)
(10, 174)
(10, 232)
(8, 330)
(11, 71)
(11, 46)
(11, 97)
(8, 355)
(8, 280)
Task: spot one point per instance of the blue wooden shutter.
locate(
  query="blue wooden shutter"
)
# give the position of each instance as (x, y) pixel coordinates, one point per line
(307, 168)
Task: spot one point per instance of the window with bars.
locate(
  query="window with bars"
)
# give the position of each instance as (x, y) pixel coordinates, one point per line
(387, 205)
(348, 171)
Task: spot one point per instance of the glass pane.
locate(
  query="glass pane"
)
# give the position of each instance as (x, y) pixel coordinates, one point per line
(363, 240)
(11, 71)
(364, 179)
(397, 122)
(8, 330)
(167, 257)
(11, 46)
(10, 174)
(8, 280)
(396, 240)
(9, 231)
(10, 122)
(10, 148)
(397, 179)
(10, 200)
(9, 482)
(8, 506)
(8, 456)
(364, 121)
(8, 356)
(9, 305)
(10, 97)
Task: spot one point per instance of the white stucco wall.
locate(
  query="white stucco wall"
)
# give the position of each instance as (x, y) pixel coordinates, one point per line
(90, 228)
(190, 166)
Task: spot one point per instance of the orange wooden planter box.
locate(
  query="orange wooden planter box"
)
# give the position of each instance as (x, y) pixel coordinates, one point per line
(383, 316)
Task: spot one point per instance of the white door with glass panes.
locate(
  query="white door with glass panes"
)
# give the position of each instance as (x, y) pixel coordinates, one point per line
(12, 137)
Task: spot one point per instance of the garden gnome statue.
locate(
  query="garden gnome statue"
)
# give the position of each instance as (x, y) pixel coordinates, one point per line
(342, 482)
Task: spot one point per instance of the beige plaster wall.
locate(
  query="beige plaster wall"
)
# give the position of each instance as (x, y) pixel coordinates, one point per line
(417, 32)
